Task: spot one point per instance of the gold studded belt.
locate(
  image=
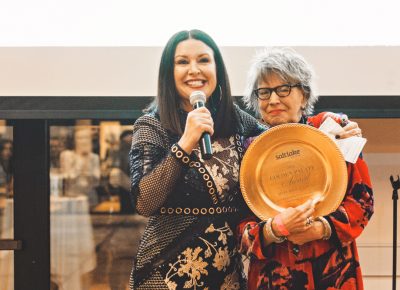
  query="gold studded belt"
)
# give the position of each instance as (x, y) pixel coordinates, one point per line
(197, 210)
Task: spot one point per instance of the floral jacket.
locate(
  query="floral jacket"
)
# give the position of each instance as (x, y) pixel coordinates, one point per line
(321, 264)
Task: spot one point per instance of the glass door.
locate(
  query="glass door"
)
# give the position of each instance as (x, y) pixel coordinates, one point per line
(94, 229)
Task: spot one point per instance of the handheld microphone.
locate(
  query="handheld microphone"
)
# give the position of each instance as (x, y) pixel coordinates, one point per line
(198, 100)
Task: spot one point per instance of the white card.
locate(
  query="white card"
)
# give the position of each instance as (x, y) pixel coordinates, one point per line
(350, 147)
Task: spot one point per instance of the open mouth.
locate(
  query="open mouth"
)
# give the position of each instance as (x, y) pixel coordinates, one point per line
(195, 83)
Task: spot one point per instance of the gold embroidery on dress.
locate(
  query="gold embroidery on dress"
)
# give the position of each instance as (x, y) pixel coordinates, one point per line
(222, 259)
(223, 232)
(191, 264)
(225, 167)
(231, 282)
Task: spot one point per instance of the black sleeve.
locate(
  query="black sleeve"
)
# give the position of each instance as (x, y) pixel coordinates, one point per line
(155, 166)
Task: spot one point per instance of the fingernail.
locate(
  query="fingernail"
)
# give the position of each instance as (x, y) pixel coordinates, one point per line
(337, 137)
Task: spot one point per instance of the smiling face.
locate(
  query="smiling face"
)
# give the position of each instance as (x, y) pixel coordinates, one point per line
(280, 110)
(194, 70)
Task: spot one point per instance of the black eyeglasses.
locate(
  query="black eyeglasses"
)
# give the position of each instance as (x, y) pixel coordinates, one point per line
(281, 91)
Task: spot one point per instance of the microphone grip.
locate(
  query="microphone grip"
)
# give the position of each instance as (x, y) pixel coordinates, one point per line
(205, 146)
(205, 140)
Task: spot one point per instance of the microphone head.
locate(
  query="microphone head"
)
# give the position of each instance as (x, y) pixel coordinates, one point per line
(197, 96)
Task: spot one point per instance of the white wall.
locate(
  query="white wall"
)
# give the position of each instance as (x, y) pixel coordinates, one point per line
(132, 71)
(151, 22)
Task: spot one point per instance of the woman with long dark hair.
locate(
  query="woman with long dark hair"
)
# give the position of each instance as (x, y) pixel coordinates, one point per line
(193, 204)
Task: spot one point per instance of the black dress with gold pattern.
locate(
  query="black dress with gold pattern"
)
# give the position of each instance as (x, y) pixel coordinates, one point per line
(194, 206)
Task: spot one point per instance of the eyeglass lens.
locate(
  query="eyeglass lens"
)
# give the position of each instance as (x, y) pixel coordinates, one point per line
(281, 91)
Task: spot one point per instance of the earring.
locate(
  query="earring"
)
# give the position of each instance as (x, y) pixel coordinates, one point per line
(220, 92)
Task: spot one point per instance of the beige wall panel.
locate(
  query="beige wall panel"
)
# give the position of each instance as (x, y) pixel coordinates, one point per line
(132, 71)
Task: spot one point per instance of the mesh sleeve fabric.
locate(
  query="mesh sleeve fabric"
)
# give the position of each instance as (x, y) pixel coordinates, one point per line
(154, 168)
(248, 126)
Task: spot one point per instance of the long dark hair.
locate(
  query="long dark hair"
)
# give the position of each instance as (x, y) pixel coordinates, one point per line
(167, 100)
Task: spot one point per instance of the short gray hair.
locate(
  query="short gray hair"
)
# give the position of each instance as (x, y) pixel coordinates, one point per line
(289, 66)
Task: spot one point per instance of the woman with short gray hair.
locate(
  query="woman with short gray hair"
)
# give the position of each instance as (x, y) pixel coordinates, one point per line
(289, 66)
(294, 250)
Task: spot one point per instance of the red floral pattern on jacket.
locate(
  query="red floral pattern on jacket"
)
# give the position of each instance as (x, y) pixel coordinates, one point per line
(320, 264)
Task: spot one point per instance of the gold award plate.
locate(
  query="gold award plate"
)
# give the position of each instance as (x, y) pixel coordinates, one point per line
(289, 164)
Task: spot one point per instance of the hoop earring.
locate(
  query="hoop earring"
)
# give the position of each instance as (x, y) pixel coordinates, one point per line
(220, 92)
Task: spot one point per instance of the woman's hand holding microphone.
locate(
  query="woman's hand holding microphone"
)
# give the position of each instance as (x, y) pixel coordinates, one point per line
(198, 121)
